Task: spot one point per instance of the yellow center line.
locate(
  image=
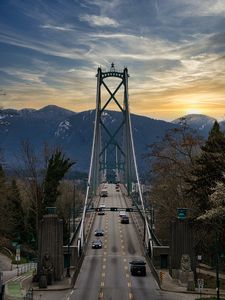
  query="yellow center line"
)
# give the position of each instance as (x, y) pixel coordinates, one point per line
(103, 274)
(130, 296)
(129, 284)
(127, 275)
(125, 267)
(102, 283)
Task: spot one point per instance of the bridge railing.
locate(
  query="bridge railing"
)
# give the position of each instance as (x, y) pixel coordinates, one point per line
(140, 210)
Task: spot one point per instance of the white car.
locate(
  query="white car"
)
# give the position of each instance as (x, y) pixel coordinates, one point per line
(122, 213)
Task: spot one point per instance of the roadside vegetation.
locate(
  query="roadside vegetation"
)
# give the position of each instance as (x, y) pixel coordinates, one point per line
(188, 172)
(26, 194)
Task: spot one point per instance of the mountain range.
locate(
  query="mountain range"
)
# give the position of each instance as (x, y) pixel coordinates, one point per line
(73, 131)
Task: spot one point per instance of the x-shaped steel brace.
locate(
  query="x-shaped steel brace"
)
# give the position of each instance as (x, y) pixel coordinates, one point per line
(112, 96)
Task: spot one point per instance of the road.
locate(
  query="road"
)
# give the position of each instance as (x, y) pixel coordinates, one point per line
(105, 272)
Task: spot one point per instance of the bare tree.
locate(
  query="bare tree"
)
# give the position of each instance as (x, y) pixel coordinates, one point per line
(171, 161)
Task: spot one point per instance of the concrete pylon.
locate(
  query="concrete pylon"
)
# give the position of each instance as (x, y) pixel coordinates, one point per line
(50, 246)
(181, 243)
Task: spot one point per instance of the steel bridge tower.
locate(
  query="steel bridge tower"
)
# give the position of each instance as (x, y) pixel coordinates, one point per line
(112, 150)
(113, 146)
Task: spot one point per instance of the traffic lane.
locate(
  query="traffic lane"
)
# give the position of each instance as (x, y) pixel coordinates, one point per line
(113, 234)
(132, 242)
(140, 287)
(87, 286)
(115, 282)
(88, 282)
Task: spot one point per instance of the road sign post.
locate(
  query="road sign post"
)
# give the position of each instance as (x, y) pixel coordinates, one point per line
(17, 258)
(200, 286)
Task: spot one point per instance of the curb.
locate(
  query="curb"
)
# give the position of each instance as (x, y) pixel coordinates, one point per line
(210, 293)
(48, 289)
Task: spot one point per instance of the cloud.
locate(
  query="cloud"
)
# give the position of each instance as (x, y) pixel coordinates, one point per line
(100, 21)
(105, 6)
(187, 8)
(59, 28)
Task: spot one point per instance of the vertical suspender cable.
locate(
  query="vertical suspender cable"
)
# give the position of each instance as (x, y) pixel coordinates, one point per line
(135, 162)
(81, 232)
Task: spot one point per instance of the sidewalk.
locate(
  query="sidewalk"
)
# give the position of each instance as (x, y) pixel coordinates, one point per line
(64, 284)
(172, 285)
(17, 287)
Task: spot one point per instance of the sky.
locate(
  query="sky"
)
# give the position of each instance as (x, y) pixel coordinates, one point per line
(174, 51)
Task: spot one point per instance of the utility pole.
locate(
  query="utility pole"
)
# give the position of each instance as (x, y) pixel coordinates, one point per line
(74, 207)
(68, 247)
(217, 268)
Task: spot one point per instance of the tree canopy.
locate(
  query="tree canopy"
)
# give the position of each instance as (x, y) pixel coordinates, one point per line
(208, 169)
(58, 165)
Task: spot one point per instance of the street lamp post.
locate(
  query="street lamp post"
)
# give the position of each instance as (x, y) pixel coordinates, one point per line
(68, 249)
(217, 268)
(74, 207)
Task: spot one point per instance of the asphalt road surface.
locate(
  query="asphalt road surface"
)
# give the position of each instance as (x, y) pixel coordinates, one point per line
(105, 272)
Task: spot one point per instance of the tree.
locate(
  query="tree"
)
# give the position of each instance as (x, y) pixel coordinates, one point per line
(208, 169)
(32, 174)
(172, 159)
(3, 202)
(15, 213)
(58, 165)
(216, 213)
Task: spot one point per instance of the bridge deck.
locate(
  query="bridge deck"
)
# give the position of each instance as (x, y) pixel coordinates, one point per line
(105, 272)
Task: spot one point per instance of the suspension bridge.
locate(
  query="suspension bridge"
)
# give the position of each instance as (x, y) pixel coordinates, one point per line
(104, 273)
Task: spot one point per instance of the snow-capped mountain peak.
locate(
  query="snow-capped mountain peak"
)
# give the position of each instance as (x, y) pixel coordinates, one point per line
(196, 121)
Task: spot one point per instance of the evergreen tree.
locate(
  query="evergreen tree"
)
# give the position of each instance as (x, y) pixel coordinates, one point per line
(208, 169)
(58, 165)
(3, 202)
(15, 212)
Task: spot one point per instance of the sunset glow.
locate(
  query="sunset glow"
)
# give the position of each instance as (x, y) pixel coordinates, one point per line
(174, 51)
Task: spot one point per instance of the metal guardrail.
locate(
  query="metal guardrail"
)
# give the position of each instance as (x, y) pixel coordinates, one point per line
(25, 268)
(154, 237)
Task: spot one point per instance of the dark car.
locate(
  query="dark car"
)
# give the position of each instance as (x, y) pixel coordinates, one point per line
(101, 211)
(104, 193)
(124, 220)
(99, 232)
(97, 244)
(137, 267)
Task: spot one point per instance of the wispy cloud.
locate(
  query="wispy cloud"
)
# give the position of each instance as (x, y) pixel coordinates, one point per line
(100, 21)
(59, 28)
(174, 51)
